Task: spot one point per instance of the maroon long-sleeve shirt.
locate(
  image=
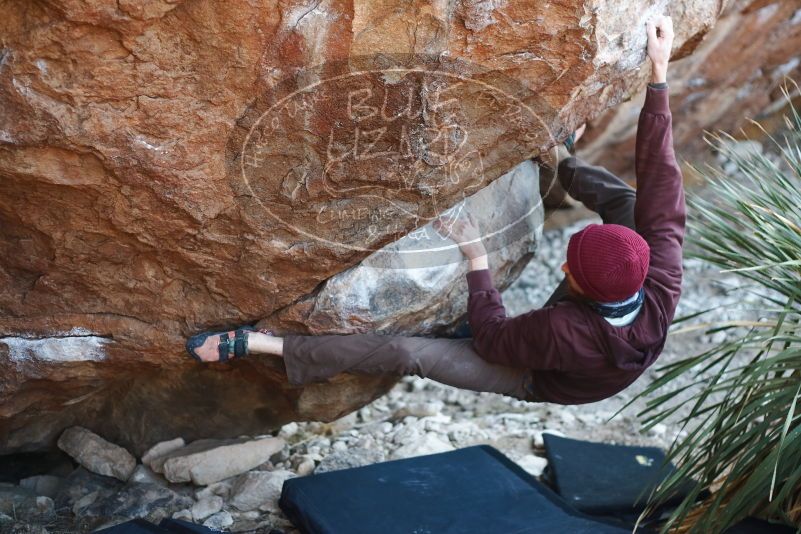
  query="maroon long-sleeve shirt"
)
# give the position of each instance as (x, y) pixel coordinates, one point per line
(576, 355)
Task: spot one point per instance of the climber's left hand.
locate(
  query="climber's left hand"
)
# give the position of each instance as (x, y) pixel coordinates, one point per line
(660, 44)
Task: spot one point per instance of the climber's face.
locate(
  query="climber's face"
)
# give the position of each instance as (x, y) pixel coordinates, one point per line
(571, 282)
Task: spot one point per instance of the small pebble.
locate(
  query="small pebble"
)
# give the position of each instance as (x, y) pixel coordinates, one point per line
(185, 515)
(206, 507)
(219, 521)
(288, 430)
(305, 467)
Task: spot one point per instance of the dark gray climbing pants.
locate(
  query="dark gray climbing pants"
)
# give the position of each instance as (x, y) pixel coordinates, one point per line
(449, 361)
(453, 361)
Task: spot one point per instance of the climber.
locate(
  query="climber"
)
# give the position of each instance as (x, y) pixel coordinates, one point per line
(602, 327)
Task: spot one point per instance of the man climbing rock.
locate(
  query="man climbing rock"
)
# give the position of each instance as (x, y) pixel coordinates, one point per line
(603, 326)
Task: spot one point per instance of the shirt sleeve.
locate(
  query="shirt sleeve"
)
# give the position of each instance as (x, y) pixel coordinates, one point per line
(660, 211)
(523, 341)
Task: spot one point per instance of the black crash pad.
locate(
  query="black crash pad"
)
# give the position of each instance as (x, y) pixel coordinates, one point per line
(604, 479)
(475, 489)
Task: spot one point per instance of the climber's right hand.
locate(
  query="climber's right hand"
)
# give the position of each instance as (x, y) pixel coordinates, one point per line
(464, 231)
(660, 44)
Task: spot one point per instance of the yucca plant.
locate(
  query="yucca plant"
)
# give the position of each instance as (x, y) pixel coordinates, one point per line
(740, 443)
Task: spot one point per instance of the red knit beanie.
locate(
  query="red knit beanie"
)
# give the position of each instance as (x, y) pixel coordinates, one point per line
(608, 261)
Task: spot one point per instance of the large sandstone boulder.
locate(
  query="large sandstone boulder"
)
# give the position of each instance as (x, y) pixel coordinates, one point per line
(171, 166)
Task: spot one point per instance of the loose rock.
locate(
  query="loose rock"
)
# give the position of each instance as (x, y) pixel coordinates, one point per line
(346, 459)
(534, 465)
(222, 489)
(144, 475)
(429, 444)
(207, 461)
(420, 409)
(206, 507)
(161, 449)
(148, 501)
(288, 430)
(259, 489)
(96, 454)
(186, 515)
(219, 521)
(305, 466)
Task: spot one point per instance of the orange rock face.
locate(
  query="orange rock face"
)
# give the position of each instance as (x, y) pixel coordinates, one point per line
(170, 166)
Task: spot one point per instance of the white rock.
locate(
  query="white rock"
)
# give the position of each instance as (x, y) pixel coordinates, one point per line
(259, 489)
(340, 446)
(305, 467)
(718, 337)
(428, 444)
(534, 465)
(219, 521)
(344, 423)
(96, 454)
(437, 423)
(159, 450)
(206, 507)
(207, 461)
(186, 515)
(465, 433)
(368, 442)
(45, 505)
(289, 430)
(144, 475)
(423, 384)
(421, 409)
(406, 433)
(222, 489)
